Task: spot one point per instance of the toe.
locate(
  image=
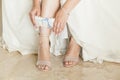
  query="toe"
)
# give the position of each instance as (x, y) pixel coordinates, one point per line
(73, 62)
(70, 62)
(46, 68)
(39, 67)
(42, 67)
(66, 62)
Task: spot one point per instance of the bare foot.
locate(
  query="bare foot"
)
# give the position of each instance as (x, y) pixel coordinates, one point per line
(72, 55)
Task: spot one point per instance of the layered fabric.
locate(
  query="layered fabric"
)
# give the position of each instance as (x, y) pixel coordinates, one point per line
(18, 32)
(95, 25)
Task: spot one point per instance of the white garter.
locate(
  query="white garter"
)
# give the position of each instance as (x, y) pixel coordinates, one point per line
(44, 22)
(58, 42)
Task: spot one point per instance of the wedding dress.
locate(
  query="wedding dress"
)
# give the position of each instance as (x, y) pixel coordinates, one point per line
(95, 25)
(18, 32)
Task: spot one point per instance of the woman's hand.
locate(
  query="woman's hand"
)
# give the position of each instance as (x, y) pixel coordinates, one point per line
(34, 12)
(60, 21)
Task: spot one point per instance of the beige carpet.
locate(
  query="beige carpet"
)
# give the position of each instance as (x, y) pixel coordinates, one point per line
(0, 17)
(14, 66)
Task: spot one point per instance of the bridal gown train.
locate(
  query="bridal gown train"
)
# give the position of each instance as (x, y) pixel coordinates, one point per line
(95, 25)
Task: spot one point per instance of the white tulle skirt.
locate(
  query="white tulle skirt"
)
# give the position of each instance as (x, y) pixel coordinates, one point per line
(95, 25)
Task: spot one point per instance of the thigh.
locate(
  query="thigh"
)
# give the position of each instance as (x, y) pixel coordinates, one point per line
(49, 8)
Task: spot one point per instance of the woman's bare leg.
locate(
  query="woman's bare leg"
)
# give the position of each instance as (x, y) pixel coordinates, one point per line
(49, 8)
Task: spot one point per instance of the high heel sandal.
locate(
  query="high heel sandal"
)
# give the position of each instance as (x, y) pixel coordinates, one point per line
(42, 64)
(74, 60)
(69, 58)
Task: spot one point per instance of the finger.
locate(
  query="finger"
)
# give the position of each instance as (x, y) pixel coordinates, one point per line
(33, 19)
(62, 27)
(55, 26)
(32, 16)
(58, 28)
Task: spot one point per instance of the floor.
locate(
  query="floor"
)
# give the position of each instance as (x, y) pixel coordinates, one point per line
(14, 66)
(0, 17)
